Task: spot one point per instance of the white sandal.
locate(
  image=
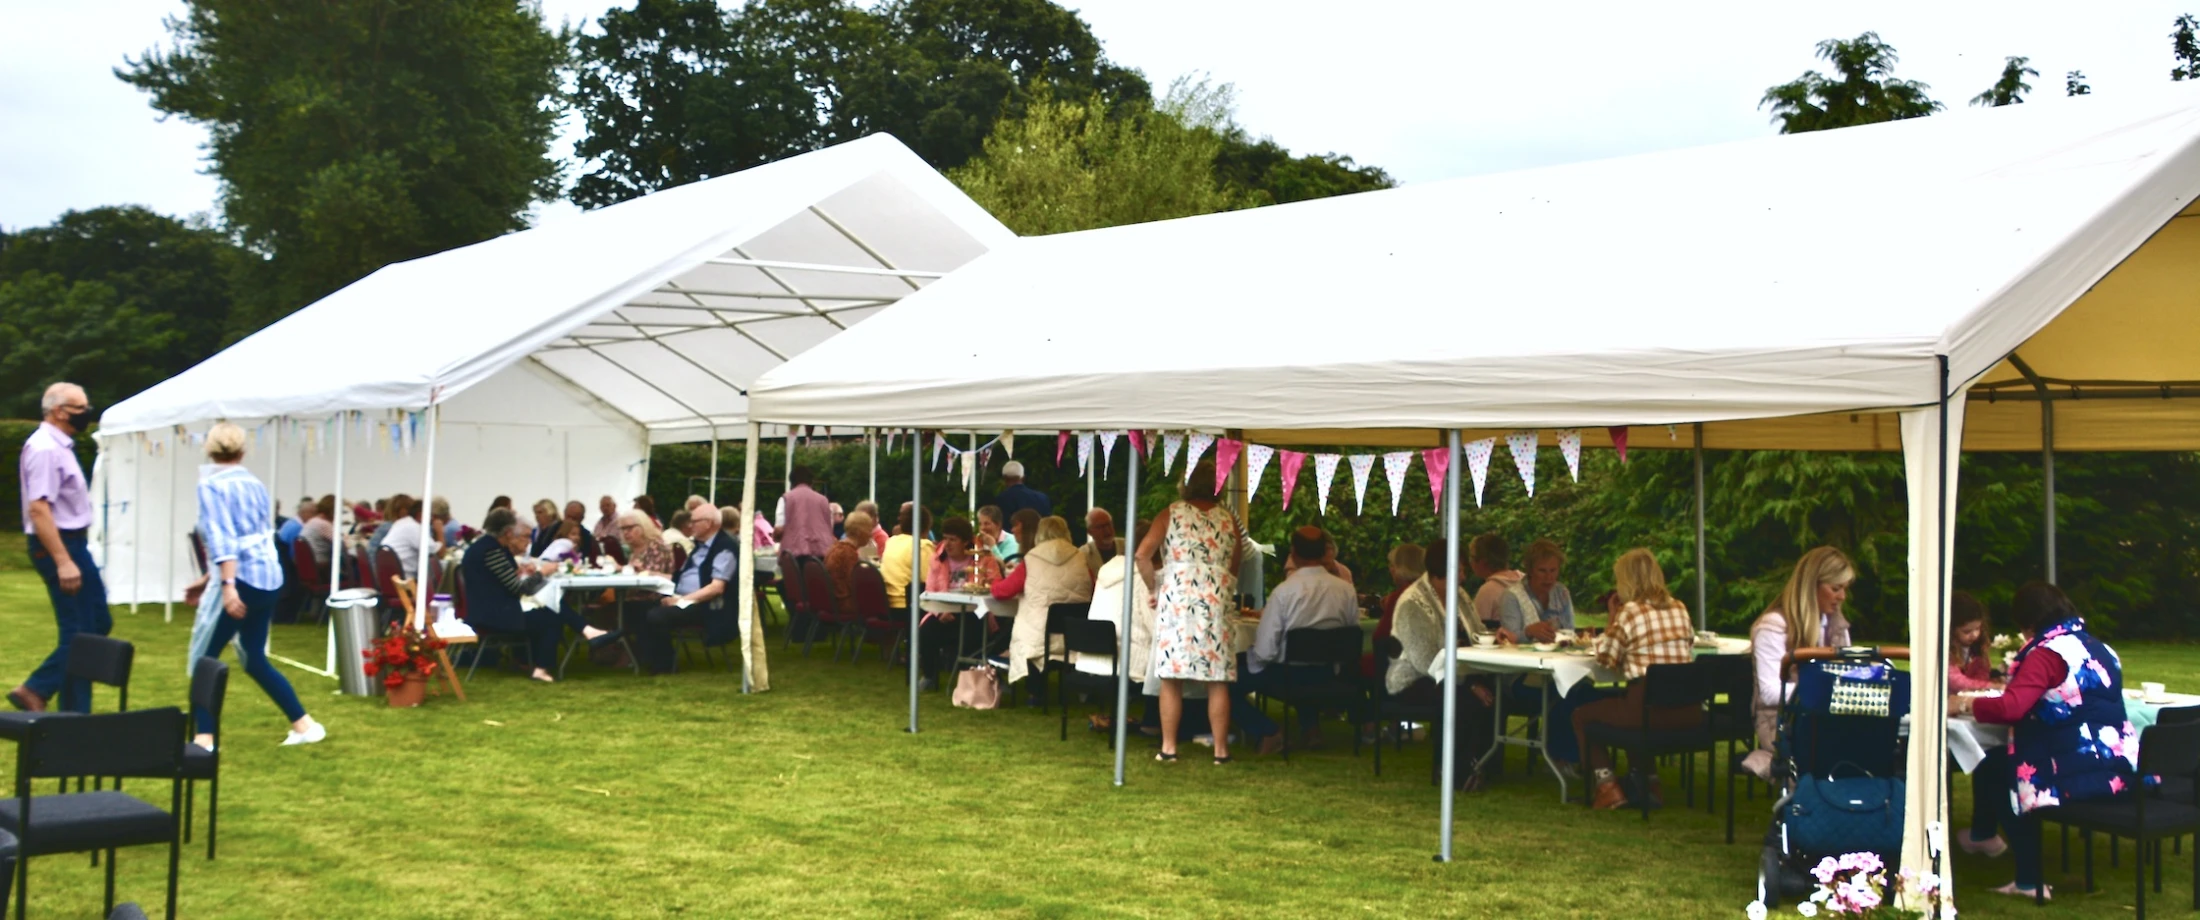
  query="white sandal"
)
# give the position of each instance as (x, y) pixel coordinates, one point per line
(2012, 890)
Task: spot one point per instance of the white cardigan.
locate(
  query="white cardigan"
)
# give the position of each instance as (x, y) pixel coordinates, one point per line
(1054, 573)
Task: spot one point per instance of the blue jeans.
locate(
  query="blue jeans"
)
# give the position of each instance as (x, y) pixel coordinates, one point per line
(82, 612)
(251, 632)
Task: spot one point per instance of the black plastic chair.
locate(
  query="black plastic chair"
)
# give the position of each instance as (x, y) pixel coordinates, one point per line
(209, 691)
(1061, 619)
(7, 872)
(99, 659)
(2142, 814)
(1733, 721)
(145, 744)
(1336, 649)
(1390, 710)
(1086, 637)
(1666, 686)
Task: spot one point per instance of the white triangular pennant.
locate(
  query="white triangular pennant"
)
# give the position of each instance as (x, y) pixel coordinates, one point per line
(1325, 472)
(1569, 446)
(1199, 445)
(1008, 443)
(1394, 469)
(1171, 444)
(1478, 463)
(1361, 464)
(1107, 450)
(1522, 444)
(1256, 462)
(1084, 453)
(969, 468)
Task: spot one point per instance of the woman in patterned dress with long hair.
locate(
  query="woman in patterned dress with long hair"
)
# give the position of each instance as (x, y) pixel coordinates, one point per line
(1199, 544)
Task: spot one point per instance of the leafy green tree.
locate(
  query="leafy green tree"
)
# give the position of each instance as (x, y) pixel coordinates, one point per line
(1068, 165)
(1862, 91)
(2010, 88)
(1270, 174)
(2074, 84)
(348, 136)
(52, 329)
(157, 263)
(2185, 46)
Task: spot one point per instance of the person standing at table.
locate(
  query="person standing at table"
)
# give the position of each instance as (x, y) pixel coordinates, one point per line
(1807, 614)
(699, 588)
(1196, 544)
(235, 520)
(808, 529)
(1653, 627)
(2070, 739)
(56, 512)
(1015, 496)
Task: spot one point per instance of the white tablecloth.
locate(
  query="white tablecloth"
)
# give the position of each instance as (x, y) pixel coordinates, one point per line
(1565, 667)
(553, 590)
(1970, 739)
(983, 605)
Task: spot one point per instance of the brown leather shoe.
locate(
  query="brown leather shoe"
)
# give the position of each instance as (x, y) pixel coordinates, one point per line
(1609, 796)
(26, 699)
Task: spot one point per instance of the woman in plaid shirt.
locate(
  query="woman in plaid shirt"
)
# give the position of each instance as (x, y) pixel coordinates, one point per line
(1651, 628)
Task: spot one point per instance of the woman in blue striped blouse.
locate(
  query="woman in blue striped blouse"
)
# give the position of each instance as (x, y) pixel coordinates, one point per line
(237, 520)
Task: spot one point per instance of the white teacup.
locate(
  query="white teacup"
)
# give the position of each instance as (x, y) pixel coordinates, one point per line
(2154, 691)
(1566, 637)
(1485, 641)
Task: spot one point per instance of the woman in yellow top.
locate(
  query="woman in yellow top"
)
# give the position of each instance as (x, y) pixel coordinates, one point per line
(1652, 627)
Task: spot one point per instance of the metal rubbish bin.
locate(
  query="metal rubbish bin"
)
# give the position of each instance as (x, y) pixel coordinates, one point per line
(357, 623)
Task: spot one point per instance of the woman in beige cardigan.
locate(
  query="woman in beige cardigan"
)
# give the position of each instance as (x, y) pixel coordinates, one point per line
(1052, 572)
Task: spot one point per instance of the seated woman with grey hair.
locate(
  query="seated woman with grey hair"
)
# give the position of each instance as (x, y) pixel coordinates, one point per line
(495, 582)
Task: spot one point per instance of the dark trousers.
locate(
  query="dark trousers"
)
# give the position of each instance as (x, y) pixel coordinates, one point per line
(1475, 723)
(544, 628)
(82, 612)
(1992, 812)
(937, 643)
(251, 633)
(655, 647)
(1271, 680)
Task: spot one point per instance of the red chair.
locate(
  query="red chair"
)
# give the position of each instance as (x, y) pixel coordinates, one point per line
(791, 600)
(311, 577)
(817, 590)
(679, 557)
(611, 546)
(387, 571)
(870, 591)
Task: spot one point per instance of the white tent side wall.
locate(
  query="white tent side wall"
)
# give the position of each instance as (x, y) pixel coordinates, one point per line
(520, 433)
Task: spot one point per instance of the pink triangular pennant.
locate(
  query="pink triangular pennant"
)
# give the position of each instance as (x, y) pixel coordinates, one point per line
(1478, 463)
(1394, 468)
(1061, 440)
(1619, 440)
(1437, 461)
(1569, 446)
(1361, 464)
(1256, 463)
(1199, 444)
(1522, 445)
(1226, 456)
(1289, 468)
(1171, 445)
(1325, 473)
(1138, 442)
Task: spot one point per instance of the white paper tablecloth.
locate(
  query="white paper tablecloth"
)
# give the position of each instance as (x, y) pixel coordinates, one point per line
(983, 605)
(553, 589)
(1566, 668)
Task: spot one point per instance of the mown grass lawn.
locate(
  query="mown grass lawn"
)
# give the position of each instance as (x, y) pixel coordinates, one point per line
(613, 796)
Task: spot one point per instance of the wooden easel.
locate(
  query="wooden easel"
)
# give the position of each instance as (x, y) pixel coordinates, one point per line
(442, 659)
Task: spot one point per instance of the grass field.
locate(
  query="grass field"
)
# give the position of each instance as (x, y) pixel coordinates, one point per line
(613, 796)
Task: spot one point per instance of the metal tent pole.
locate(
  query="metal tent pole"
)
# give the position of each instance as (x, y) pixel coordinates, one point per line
(168, 588)
(1124, 626)
(1702, 581)
(421, 589)
(916, 570)
(1448, 749)
(2047, 479)
(711, 490)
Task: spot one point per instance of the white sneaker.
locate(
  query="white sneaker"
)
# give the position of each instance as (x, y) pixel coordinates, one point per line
(315, 732)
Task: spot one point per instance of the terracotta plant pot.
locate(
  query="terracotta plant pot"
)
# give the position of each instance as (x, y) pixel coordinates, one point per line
(412, 692)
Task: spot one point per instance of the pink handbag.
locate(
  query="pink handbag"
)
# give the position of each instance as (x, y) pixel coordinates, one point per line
(977, 688)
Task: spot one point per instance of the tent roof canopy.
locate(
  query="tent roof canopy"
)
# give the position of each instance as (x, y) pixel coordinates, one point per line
(1806, 275)
(666, 307)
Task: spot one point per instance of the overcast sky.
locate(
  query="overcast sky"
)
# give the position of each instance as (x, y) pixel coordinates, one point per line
(1427, 90)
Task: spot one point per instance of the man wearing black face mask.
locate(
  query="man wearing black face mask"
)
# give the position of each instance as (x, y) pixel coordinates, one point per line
(56, 511)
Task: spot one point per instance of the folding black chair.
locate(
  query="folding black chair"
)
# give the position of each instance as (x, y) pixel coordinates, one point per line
(209, 691)
(1666, 686)
(144, 744)
(8, 851)
(1085, 637)
(1336, 650)
(2142, 814)
(1390, 710)
(1061, 618)
(1733, 721)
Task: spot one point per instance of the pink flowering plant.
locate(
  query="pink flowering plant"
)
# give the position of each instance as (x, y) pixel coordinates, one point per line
(1858, 885)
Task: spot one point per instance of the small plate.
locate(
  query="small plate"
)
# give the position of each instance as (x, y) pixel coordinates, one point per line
(1546, 647)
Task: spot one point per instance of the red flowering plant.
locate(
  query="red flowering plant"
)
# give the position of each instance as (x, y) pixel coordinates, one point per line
(403, 651)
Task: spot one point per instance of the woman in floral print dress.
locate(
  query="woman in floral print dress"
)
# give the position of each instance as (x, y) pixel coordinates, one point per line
(1199, 542)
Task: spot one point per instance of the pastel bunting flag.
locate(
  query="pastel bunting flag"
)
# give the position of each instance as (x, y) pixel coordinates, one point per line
(890, 440)
(1226, 457)
(1618, 434)
(1199, 444)
(1478, 463)
(969, 469)
(1325, 473)
(1437, 461)
(1107, 451)
(985, 458)
(1008, 443)
(1256, 463)
(1171, 445)
(1361, 464)
(1061, 440)
(1522, 445)
(1569, 446)
(1084, 453)
(1394, 468)
(1291, 462)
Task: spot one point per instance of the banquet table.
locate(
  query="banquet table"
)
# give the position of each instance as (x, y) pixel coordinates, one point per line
(1562, 669)
(1969, 739)
(554, 587)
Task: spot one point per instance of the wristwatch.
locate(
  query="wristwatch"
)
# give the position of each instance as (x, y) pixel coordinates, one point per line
(229, 582)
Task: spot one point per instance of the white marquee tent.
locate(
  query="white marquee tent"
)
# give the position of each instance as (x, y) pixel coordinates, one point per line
(553, 357)
(1839, 290)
